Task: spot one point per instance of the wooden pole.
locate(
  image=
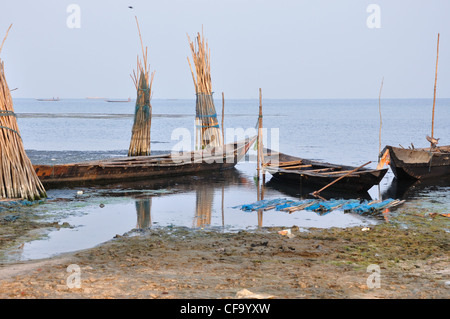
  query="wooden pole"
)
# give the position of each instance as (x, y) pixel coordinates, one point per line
(260, 158)
(223, 114)
(261, 141)
(316, 193)
(381, 120)
(435, 81)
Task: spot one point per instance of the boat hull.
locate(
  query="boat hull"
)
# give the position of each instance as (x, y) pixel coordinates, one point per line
(414, 164)
(143, 167)
(359, 182)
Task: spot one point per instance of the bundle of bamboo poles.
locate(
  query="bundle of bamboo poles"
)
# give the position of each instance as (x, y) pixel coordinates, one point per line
(207, 126)
(140, 135)
(18, 178)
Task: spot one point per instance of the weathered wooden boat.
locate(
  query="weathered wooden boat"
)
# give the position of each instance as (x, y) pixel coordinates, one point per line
(419, 163)
(145, 167)
(317, 174)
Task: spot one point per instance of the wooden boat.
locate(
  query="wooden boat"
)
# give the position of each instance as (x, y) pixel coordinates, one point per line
(419, 163)
(317, 174)
(144, 167)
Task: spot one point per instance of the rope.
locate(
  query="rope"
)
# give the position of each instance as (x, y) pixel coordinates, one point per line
(7, 113)
(7, 128)
(202, 115)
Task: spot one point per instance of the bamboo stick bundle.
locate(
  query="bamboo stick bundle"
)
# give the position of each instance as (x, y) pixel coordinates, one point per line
(18, 178)
(208, 133)
(140, 134)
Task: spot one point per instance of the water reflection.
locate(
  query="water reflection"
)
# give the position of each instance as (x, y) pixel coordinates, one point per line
(304, 192)
(144, 215)
(204, 187)
(204, 196)
(419, 188)
(195, 202)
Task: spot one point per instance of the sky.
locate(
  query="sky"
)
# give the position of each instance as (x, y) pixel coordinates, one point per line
(291, 49)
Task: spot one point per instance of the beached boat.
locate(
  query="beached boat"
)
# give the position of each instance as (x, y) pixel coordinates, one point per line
(419, 163)
(145, 167)
(318, 174)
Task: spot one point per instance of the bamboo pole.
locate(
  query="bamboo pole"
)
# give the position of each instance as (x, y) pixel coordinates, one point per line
(260, 156)
(381, 120)
(316, 193)
(435, 81)
(223, 115)
(4, 39)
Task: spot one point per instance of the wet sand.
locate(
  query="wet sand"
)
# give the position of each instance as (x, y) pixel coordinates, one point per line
(168, 262)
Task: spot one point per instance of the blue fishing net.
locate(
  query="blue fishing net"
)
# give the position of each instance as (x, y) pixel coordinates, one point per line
(320, 206)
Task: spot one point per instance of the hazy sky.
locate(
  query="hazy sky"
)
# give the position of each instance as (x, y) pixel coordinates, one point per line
(290, 49)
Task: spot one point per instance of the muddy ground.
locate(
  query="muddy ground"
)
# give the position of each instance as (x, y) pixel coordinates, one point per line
(409, 257)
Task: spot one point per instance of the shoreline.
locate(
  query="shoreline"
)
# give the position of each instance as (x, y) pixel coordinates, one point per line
(178, 262)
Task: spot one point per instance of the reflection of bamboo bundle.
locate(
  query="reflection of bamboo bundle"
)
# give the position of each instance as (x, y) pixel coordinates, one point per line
(206, 118)
(204, 203)
(144, 216)
(140, 139)
(17, 176)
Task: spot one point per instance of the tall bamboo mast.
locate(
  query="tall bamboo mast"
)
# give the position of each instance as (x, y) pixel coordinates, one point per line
(18, 178)
(435, 81)
(381, 119)
(260, 155)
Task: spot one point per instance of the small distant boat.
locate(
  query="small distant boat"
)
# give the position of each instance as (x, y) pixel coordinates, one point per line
(51, 100)
(129, 100)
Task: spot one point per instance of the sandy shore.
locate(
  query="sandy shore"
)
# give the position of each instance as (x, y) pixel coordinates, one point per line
(181, 263)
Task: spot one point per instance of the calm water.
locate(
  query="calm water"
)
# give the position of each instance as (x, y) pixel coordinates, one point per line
(337, 131)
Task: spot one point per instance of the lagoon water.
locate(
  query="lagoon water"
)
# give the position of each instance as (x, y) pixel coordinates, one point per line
(338, 131)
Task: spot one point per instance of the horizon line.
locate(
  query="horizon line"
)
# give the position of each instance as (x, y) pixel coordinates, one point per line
(247, 98)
